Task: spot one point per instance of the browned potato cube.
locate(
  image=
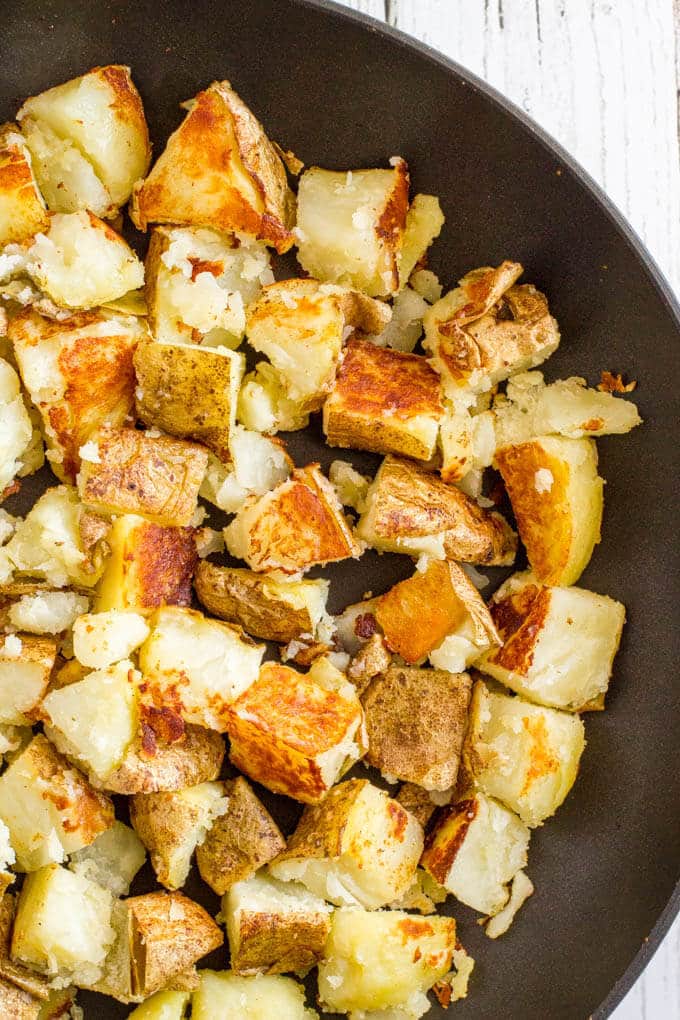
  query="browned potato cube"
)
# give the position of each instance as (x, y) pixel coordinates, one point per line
(79, 374)
(411, 510)
(26, 663)
(384, 400)
(240, 841)
(417, 802)
(241, 186)
(416, 721)
(22, 209)
(158, 478)
(297, 525)
(154, 762)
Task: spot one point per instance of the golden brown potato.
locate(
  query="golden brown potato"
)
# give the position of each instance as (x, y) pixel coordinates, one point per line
(189, 391)
(419, 614)
(22, 209)
(155, 763)
(265, 607)
(158, 478)
(26, 663)
(416, 721)
(370, 660)
(239, 842)
(410, 510)
(219, 170)
(79, 373)
(297, 525)
(557, 498)
(384, 400)
(295, 735)
(149, 566)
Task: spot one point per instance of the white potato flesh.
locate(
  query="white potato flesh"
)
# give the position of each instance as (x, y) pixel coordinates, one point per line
(261, 997)
(113, 860)
(258, 465)
(16, 430)
(264, 405)
(100, 639)
(163, 1005)
(25, 667)
(66, 178)
(48, 612)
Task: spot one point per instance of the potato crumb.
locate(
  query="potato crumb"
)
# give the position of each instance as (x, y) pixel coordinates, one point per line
(90, 452)
(543, 480)
(610, 382)
(13, 647)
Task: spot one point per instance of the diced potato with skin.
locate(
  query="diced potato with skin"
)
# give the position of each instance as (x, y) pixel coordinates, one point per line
(100, 639)
(258, 464)
(384, 960)
(198, 666)
(357, 847)
(416, 721)
(301, 326)
(265, 607)
(559, 644)
(26, 663)
(384, 400)
(189, 391)
(350, 226)
(557, 498)
(525, 755)
(264, 406)
(22, 209)
(424, 221)
(149, 566)
(79, 373)
(410, 510)
(240, 841)
(294, 735)
(49, 807)
(75, 722)
(297, 525)
(62, 925)
(101, 113)
(113, 860)
(151, 765)
(417, 802)
(48, 612)
(274, 927)
(261, 997)
(171, 825)
(37, 986)
(157, 478)
(163, 1006)
(199, 282)
(475, 849)
(219, 170)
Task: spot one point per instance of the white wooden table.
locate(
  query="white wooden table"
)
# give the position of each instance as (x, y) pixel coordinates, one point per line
(601, 76)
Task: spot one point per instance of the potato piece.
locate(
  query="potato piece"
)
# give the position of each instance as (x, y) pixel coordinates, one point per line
(297, 525)
(101, 113)
(162, 1006)
(350, 226)
(301, 326)
(264, 406)
(274, 927)
(63, 925)
(16, 1003)
(158, 478)
(385, 960)
(558, 643)
(424, 221)
(225, 994)
(100, 639)
(16, 429)
(199, 665)
(556, 496)
(171, 826)
(189, 391)
(474, 850)
(26, 663)
(240, 841)
(524, 755)
(436, 608)
(385, 401)
(22, 208)
(79, 373)
(295, 735)
(265, 607)
(36, 985)
(257, 465)
(242, 184)
(150, 566)
(152, 764)
(113, 860)
(410, 510)
(357, 847)
(416, 721)
(47, 612)
(417, 802)
(350, 485)
(49, 807)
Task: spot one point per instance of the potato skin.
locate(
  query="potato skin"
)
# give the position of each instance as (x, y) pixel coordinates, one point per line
(152, 765)
(22, 211)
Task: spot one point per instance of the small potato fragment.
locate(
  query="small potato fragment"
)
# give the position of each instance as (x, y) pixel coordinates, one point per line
(274, 927)
(189, 391)
(152, 764)
(47, 612)
(241, 185)
(158, 478)
(416, 721)
(384, 400)
(297, 525)
(410, 510)
(113, 860)
(264, 405)
(18, 443)
(257, 465)
(261, 997)
(239, 842)
(22, 209)
(100, 639)
(557, 498)
(26, 663)
(163, 1005)
(356, 848)
(424, 221)
(474, 850)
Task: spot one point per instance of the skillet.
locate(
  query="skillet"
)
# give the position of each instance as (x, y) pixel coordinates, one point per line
(344, 92)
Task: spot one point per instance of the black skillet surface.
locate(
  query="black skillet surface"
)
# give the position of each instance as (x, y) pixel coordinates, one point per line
(345, 93)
